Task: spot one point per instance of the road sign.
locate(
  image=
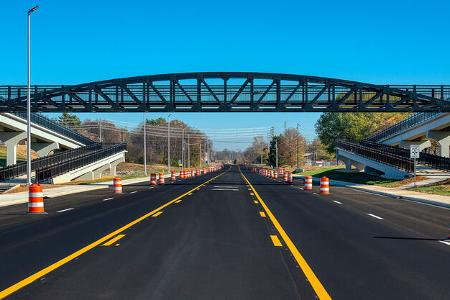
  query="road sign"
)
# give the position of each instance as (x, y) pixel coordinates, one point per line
(414, 151)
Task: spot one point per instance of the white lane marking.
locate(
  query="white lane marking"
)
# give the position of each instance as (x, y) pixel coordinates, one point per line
(375, 216)
(337, 202)
(447, 242)
(107, 199)
(226, 186)
(233, 190)
(315, 193)
(133, 192)
(63, 210)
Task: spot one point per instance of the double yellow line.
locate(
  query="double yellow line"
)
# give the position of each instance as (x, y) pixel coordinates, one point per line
(24, 282)
(319, 289)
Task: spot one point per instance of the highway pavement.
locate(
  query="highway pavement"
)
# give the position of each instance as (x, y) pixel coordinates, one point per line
(230, 234)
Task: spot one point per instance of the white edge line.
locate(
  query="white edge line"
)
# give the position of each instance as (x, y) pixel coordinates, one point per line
(63, 210)
(375, 216)
(445, 242)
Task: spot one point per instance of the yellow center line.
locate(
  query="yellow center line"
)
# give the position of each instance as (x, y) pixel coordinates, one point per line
(157, 214)
(275, 240)
(26, 281)
(113, 240)
(262, 214)
(319, 289)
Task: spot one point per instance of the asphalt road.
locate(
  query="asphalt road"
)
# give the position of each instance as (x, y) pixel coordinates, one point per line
(220, 237)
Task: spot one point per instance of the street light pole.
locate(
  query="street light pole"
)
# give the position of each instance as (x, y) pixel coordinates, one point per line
(145, 144)
(168, 143)
(33, 9)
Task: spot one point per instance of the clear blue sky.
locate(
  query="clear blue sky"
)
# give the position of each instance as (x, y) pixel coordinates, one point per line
(379, 41)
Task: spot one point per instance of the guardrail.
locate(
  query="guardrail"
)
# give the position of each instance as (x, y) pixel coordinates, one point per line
(20, 169)
(407, 123)
(66, 166)
(52, 125)
(395, 160)
(434, 161)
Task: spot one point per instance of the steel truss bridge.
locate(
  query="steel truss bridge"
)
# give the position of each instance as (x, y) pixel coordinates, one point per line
(228, 92)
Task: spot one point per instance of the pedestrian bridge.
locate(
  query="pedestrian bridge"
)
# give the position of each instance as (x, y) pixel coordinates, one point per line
(228, 92)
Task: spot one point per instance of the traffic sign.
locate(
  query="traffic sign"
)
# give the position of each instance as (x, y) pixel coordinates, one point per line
(414, 151)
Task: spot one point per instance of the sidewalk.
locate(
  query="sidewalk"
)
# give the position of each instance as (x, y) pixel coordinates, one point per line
(438, 200)
(22, 197)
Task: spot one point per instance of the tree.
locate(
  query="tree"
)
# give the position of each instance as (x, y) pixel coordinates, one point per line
(352, 127)
(69, 120)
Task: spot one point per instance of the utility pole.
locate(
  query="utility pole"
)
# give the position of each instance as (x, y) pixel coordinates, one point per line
(298, 135)
(200, 154)
(168, 144)
(100, 130)
(276, 153)
(182, 150)
(189, 152)
(145, 144)
(29, 100)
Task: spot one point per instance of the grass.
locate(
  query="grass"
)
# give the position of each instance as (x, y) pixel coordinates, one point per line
(338, 173)
(437, 189)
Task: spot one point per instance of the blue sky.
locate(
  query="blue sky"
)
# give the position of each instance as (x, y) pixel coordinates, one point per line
(379, 41)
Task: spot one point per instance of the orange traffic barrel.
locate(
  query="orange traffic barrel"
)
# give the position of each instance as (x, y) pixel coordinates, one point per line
(161, 179)
(117, 183)
(286, 176)
(324, 185)
(35, 199)
(289, 177)
(192, 173)
(153, 179)
(198, 172)
(308, 183)
(173, 175)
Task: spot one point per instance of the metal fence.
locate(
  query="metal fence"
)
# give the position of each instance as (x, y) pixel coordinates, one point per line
(66, 166)
(413, 120)
(20, 169)
(395, 160)
(54, 126)
(434, 161)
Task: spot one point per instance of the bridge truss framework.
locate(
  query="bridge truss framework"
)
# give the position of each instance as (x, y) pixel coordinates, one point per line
(228, 92)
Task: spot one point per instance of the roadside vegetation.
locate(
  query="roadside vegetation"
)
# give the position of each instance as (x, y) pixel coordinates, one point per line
(438, 189)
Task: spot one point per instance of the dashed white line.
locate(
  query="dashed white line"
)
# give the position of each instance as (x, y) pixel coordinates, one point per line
(63, 210)
(133, 192)
(375, 216)
(447, 242)
(107, 199)
(337, 202)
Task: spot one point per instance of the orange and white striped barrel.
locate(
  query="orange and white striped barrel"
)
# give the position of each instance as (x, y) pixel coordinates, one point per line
(161, 179)
(275, 174)
(308, 183)
(35, 199)
(117, 183)
(192, 173)
(324, 185)
(290, 178)
(153, 179)
(173, 175)
(205, 170)
(286, 176)
(198, 172)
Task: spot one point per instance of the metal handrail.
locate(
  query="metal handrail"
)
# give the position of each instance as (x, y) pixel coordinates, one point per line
(52, 125)
(397, 161)
(407, 123)
(66, 166)
(434, 161)
(19, 169)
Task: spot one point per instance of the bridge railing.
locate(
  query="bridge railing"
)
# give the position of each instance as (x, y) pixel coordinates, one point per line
(395, 160)
(20, 169)
(409, 122)
(54, 126)
(66, 166)
(434, 161)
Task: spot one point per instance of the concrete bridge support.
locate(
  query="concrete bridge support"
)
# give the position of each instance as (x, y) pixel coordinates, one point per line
(11, 140)
(43, 149)
(443, 138)
(423, 144)
(351, 163)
